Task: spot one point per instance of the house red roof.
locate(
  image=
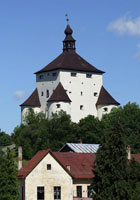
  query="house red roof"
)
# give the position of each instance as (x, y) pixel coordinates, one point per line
(105, 98)
(33, 100)
(81, 164)
(70, 60)
(59, 94)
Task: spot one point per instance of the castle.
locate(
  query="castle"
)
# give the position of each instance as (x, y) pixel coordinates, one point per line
(71, 84)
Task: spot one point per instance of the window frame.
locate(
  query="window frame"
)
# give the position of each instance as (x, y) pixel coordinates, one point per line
(79, 191)
(73, 74)
(57, 192)
(49, 166)
(38, 197)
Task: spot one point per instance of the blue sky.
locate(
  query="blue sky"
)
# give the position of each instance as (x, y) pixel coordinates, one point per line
(107, 34)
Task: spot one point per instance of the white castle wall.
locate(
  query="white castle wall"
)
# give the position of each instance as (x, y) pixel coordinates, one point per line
(80, 90)
(104, 109)
(24, 112)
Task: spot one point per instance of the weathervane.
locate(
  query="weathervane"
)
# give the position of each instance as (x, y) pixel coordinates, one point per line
(67, 19)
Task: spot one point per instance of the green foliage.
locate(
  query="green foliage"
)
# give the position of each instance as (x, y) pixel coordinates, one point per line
(130, 122)
(9, 188)
(90, 130)
(5, 139)
(110, 182)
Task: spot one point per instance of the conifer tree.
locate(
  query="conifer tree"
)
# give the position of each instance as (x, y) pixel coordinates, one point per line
(111, 172)
(9, 188)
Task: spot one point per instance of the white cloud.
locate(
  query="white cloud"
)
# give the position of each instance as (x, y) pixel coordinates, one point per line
(126, 26)
(20, 94)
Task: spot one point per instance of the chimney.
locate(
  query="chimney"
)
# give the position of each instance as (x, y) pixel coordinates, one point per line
(128, 152)
(19, 157)
(68, 167)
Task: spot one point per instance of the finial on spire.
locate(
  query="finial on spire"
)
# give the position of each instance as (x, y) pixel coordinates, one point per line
(67, 19)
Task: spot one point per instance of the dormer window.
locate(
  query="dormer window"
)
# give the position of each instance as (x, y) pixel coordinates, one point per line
(88, 75)
(73, 74)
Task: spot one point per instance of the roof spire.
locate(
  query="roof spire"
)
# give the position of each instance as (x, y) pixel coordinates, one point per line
(69, 41)
(67, 19)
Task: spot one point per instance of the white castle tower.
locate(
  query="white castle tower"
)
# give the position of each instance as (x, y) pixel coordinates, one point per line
(71, 84)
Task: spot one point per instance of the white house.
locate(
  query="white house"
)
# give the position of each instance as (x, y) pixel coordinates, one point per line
(71, 84)
(57, 176)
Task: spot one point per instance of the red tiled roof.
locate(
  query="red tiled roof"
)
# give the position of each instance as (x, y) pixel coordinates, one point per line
(59, 94)
(105, 98)
(80, 163)
(70, 60)
(33, 100)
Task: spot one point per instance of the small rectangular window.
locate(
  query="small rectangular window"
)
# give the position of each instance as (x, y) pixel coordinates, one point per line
(73, 74)
(88, 75)
(81, 93)
(89, 191)
(57, 193)
(40, 193)
(54, 74)
(95, 94)
(42, 93)
(48, 166)
(58, 105)
(81, 107)
(41, 76)
(105, 109)
(79, 191)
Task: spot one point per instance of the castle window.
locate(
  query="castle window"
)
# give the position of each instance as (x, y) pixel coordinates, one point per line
(40, 193)
(88, 75)
(54, 74)
(81, 93)
(42, 93)
(95, 94)
(70, 92)
(73, 74)
(81, 107)
(48, 166)
(57, 193)
(79, 191)
(58, 105)
(47, 93)
(41, 76)
(105, 109)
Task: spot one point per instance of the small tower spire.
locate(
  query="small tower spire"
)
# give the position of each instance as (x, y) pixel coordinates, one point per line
(69, 41)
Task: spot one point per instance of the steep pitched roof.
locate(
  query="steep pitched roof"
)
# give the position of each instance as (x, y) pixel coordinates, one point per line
(70, 60)
(105, 98)
(33, 100)
(81, 164)
(59, 94)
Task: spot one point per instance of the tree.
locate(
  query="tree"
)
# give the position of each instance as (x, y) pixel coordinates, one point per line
(5, 139)
(111, 180)
(9, 188)
(90, 130)
(130, 122)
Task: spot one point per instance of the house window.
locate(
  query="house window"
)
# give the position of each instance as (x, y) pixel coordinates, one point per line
(105, 109)
(57, 192)
(54, 74)
(88, 75)
(73, 74)
(95, 94)
(40, 193)
(42, 93)
(89, 191)
(47, 93)
(41, 76)
(81, 107)
(22, 193)
(58, 105)
(49, 166)
(79, 191)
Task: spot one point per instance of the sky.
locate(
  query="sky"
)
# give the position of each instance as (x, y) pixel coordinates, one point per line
(107, 34)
